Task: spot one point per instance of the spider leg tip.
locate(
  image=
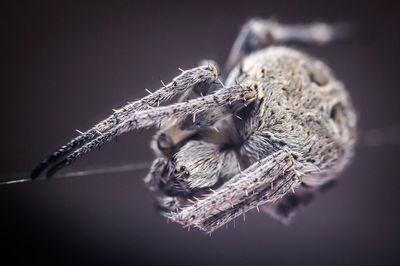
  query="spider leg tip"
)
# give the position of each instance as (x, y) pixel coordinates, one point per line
(54, 169)
(35, 173)
(38, 170)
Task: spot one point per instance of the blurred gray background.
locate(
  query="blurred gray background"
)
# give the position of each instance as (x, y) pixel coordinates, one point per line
(67, 64)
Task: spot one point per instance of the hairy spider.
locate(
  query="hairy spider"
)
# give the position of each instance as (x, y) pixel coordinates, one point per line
(280, 115)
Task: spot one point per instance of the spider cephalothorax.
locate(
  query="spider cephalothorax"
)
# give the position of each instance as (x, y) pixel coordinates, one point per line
(278, 121)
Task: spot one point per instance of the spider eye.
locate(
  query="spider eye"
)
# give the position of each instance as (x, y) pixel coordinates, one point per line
(186, 174)
(183, 168)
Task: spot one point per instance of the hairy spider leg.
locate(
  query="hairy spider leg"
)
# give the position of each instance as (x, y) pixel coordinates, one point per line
(243, 192)
(224, 97)
(258, 33)
(199, 76)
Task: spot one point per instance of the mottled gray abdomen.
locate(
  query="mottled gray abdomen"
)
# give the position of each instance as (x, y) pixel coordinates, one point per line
(300, 107)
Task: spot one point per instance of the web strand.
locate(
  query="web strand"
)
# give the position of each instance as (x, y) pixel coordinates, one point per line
(94, 171)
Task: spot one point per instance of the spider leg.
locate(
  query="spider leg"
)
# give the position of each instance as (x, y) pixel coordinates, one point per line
(265, 181)
(171, 131)
(229, 96)
(258, 33)
(157, 171)
(200, 89)
(201, 76)
(285, 208)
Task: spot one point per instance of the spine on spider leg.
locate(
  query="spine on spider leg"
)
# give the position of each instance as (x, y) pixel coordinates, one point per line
(83, 150)
(79, 140)
(147, 118)
(185, 81)
(281, 187)
(259, 183)
(62, 151)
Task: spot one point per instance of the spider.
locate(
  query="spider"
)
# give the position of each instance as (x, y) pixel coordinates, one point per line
(276, 121)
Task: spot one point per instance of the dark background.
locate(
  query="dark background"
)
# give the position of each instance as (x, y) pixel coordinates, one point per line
(65, 65)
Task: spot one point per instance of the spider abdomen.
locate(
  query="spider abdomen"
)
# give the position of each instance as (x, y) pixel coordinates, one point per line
(300, 107)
